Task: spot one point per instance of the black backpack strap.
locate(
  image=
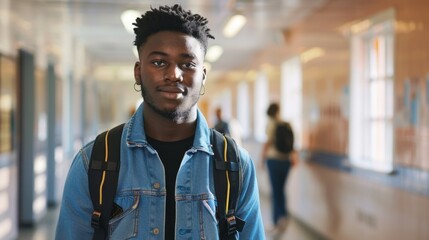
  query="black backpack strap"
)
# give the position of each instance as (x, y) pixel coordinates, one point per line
(103, 176)
(227, 184)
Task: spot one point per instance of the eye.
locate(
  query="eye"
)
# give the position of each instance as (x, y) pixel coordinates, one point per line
(158, 63)
(189, 65)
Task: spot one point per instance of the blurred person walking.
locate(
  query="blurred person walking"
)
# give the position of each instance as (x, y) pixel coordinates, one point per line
(221, 125)
(278, 155)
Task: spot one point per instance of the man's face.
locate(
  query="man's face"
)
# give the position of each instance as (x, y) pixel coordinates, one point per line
(171, 73)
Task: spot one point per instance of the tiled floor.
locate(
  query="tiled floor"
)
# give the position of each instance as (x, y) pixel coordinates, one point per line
(295, 230)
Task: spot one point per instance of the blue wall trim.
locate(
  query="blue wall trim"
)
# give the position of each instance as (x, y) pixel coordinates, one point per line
(405, 178)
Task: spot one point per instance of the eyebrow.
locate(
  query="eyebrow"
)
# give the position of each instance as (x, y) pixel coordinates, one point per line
(183, 55)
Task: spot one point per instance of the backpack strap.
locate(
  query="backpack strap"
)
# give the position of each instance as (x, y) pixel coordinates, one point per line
(103, 176)
(227, 184)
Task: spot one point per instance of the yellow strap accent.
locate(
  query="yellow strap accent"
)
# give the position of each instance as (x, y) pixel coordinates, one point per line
(106, 156)
(227, 176)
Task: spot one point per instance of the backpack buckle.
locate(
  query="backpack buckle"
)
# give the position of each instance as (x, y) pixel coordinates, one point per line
(95, 219)
(231, 223)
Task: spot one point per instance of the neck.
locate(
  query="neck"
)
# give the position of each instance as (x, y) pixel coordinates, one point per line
(164, 129)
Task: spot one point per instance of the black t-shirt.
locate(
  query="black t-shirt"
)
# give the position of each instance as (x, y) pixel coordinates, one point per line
(171, 154)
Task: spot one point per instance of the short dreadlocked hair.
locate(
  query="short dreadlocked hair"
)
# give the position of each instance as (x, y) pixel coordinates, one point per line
(175, 18)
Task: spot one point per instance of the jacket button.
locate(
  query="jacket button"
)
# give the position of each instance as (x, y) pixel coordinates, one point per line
(155, 231)
(156, 185)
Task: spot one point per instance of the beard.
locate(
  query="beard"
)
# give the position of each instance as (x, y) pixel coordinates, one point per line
(178, 114)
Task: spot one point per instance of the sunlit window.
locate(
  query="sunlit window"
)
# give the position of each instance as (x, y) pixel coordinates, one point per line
(260, 106)
(291, 96)
(371, 95)
(243, 108)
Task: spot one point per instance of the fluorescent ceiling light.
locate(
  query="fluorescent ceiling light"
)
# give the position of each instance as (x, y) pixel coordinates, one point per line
(311, 54)
(128, 17)
(234, 25)
(214, 53)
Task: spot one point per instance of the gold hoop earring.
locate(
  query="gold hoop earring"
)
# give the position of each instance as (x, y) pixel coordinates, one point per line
(135, 88)
(204, 90)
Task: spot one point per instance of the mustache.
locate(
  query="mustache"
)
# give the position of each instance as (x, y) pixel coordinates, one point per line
(175, 88)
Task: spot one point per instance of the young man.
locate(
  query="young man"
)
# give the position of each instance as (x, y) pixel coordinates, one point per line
(165, 186)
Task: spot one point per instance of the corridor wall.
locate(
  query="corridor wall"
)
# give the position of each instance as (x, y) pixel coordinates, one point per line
(32, 135)
(8, 148)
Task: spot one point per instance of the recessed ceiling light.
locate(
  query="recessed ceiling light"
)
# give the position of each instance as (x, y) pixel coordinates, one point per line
(234, 25)
(128, 17)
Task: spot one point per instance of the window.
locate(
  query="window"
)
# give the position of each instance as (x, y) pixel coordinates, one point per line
(243, 108)
(371, 94)
(261, 96)
(291, 96)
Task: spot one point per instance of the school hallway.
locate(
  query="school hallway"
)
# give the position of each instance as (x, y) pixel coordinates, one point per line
(351, 77)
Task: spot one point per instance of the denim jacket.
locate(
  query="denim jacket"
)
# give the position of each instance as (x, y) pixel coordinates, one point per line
(141, 191)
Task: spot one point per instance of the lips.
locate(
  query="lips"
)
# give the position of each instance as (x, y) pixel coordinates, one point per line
(171, 89)
(172, 92)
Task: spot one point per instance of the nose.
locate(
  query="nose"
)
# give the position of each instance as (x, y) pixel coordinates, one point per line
(174, 73)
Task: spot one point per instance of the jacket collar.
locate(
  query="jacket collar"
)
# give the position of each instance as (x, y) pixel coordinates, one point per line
(136, 136)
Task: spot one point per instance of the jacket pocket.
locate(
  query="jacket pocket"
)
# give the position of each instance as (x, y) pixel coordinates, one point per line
(125, 225)
(209, 205)
(208, 221)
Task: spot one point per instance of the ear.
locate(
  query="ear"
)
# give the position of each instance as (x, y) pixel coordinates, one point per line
(204, 75)
(137, 73)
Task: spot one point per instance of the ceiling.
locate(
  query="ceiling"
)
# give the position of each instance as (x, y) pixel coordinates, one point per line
(96, 26)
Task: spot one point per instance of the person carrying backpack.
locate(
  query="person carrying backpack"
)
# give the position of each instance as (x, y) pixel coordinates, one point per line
(160, 182)
(277, 154)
